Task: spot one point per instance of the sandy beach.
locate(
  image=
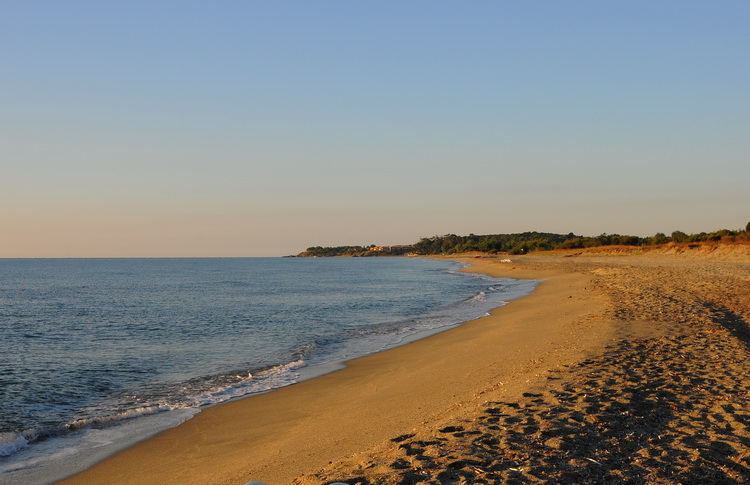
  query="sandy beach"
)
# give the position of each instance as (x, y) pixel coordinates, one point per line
(622, 367)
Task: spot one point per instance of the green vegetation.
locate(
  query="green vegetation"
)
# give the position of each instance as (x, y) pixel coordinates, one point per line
(536, 241)
(525, 242)
(494, 243)
(320, 251)
(352, 251)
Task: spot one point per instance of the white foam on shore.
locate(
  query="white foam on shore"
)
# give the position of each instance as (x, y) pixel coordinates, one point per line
(60, 457)
(11, 442)
(90, 440)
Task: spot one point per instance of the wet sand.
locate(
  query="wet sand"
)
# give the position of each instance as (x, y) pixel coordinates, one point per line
(619, 368)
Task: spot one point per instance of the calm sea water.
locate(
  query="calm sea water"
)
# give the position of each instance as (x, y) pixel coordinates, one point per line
(96, 354)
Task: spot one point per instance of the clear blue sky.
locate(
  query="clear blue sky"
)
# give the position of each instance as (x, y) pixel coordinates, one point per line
(256, 128)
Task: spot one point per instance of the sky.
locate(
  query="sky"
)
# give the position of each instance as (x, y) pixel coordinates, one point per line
(258, 128)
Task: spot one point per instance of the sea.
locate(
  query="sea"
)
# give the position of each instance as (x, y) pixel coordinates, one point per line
(98, 354)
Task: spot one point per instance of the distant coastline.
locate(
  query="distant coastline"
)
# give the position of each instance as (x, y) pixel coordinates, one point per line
(357, 251)
(526, 242)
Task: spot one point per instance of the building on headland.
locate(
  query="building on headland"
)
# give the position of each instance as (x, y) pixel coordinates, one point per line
(400, 249)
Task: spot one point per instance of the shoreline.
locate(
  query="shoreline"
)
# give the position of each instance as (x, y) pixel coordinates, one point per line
(296, 430)
(50, 460)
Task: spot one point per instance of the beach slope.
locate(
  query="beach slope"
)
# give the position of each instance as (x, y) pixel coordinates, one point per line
(281, 435)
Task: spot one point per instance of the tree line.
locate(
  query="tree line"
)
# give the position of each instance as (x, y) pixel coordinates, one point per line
(525, 242)
(331, 251)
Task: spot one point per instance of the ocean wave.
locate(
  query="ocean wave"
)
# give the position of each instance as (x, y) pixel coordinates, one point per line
(263, 381)
(78, 424)
(11, 442)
